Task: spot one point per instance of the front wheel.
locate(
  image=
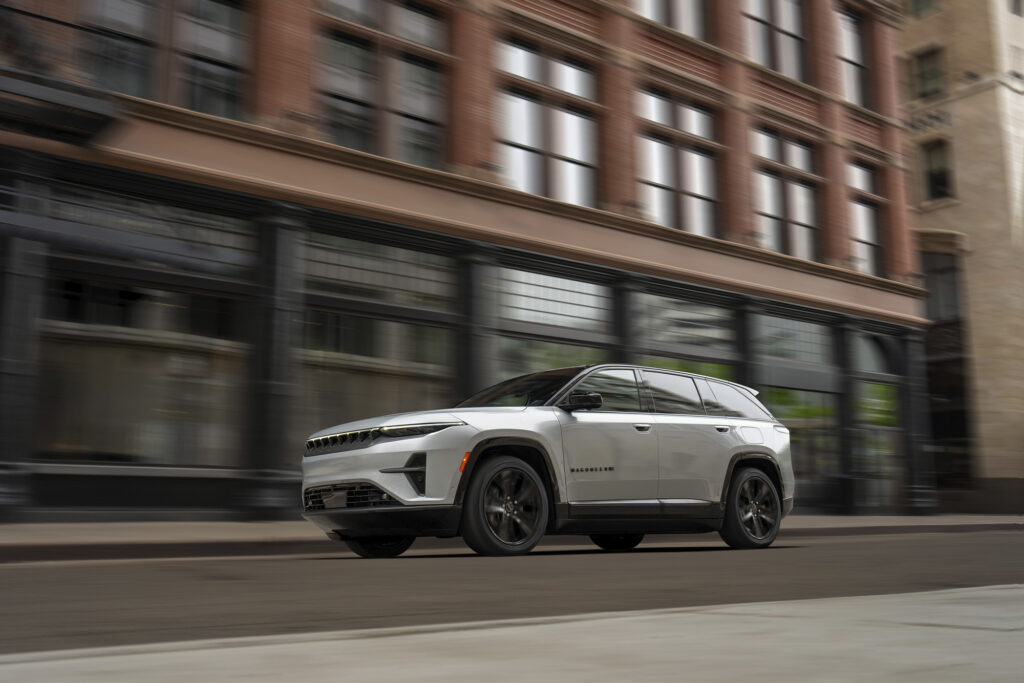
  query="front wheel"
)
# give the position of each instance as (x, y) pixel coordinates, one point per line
(506, 508)
(617, 542)
(753, 511)
(380, 546)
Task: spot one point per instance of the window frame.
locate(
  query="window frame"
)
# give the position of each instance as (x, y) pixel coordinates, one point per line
(924, 150)
(643, 399)
(862, 68)
(919, 8)
(775, 31)
(550, 100)
(931, 83)
(667, 13)
(389, 51)
(681, 142)
(873, 199)
(652, 400)
(788, 174)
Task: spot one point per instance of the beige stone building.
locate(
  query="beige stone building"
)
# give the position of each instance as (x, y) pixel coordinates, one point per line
(964, 75)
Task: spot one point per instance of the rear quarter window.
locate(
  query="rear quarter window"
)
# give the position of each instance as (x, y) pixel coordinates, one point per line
(728, 401)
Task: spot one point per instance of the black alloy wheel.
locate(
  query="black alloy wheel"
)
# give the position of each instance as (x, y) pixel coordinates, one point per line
(380, 546)
(753, 510)
(617, 542)
(506, 508)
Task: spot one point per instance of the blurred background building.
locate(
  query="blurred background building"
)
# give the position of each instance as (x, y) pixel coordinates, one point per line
(964, 63)
(226, 224)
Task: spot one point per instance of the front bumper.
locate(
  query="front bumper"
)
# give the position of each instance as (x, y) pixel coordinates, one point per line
(406, 520)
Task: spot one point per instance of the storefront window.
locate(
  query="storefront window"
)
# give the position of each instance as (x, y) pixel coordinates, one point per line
(141, 376)
(719, 370)
(522, 356)
(556, 301)
(348, 267)
(792, 340)
(664, 320)
(812, 419)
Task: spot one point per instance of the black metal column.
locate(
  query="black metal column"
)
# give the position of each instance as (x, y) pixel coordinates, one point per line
(743, 326)
(271, 492)
(476, 364)
(22, 286)
(23, 264)
(845, 489)
(921, 495)
(625, 321)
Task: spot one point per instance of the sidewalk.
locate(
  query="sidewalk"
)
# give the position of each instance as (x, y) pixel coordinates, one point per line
(124, 540)
(970, 634)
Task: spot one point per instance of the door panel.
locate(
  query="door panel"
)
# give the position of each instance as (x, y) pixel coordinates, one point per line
(608, 458)
(693, 456)
(611, 452)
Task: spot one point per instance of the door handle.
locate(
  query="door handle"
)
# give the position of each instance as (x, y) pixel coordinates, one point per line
(722, 428)
(642, 428)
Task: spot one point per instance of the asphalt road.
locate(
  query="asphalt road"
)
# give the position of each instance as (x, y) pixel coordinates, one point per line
(58, 605)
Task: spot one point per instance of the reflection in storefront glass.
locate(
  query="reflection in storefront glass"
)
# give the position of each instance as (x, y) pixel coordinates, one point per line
(521, 356)
(814, 439)
(877, 453)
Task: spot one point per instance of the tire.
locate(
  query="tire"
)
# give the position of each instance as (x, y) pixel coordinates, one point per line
(380, 546)
(505, 511)
(617, 543)
(753, 510)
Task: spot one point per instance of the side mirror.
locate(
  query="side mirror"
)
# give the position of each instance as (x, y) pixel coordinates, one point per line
(582, 400)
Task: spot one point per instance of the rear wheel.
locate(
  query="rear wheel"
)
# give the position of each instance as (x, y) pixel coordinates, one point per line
(617, 542)
(506, 508)
(752, 512)
(380, 546)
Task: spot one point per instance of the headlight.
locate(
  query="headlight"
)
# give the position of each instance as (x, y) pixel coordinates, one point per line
(417, 430)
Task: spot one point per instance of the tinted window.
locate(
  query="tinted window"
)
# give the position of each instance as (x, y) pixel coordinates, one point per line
(617, 388)
(673, 393)
(732, 402)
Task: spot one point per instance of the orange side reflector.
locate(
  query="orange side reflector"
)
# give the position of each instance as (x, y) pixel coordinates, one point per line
(465, 458)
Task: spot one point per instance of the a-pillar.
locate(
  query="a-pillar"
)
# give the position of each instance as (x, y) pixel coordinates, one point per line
(278, 309)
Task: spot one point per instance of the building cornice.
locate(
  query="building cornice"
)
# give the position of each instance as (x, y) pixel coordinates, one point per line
(305, 147)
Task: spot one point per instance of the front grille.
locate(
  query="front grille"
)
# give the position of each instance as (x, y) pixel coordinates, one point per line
(333, 443)
(345, 496)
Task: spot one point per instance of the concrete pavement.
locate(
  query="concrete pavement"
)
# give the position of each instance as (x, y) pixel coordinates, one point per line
(971, 634)
(123, 540)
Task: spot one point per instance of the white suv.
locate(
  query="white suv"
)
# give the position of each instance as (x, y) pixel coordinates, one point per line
(611, 451)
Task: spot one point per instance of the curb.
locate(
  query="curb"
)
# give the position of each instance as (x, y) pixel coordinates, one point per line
(12, 554)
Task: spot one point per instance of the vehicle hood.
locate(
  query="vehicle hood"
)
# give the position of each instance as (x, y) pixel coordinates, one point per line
(418, 417)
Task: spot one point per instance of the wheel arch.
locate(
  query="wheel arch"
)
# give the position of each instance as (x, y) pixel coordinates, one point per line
(761, 461)
(529, 451)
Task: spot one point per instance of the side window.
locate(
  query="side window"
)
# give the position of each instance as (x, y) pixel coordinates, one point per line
(617, 388)
(737, 404)
(673, 393)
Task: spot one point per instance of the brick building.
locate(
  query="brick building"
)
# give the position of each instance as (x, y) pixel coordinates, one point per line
(227, 224)
(964, 67)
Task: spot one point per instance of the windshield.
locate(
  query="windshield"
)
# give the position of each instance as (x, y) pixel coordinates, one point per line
(528, 390)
